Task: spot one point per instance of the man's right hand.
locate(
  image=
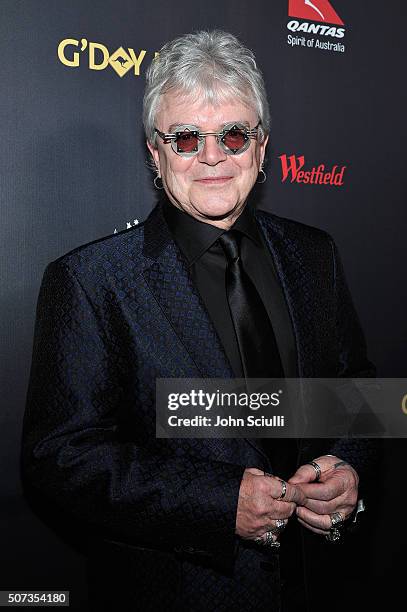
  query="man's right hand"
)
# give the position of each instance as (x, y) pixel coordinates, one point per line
(258, 505)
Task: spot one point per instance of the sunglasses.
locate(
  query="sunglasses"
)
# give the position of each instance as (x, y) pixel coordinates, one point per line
(187, 140)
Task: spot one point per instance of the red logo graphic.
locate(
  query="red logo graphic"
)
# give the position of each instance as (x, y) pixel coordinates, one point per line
(314, 10)
(292, 166)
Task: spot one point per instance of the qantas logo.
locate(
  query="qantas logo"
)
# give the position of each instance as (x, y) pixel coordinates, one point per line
(314, 17)
(315, 10)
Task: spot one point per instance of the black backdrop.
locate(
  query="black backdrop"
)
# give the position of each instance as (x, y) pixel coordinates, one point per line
(73, 169)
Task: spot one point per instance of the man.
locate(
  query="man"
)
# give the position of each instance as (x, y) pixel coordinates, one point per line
(206, 287)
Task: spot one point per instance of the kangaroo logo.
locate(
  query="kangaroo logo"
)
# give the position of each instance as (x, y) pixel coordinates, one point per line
(309, 3)
(314, 10)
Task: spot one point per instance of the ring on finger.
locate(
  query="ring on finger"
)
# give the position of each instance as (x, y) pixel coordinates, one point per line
(317, 469)
(270, 541)
(281, 524)
(336, 519)
(283, 486)
(279, 527)
(335, 533)
(283, 489)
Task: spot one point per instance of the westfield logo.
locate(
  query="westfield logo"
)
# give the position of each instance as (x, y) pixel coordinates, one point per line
(292, 169)
(314, 10)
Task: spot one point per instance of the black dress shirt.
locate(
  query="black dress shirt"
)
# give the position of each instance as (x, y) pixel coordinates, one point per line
(206, 259)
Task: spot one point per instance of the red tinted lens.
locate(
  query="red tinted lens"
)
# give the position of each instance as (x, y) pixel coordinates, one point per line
(187, 142)
(234, 139)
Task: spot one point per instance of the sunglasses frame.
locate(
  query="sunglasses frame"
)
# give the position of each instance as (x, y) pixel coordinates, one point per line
(249, 133)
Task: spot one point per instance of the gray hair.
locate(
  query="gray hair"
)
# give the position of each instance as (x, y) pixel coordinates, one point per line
(212, 66)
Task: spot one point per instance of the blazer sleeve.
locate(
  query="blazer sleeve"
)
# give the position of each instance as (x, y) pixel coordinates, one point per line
(362, 453)
(71, 452)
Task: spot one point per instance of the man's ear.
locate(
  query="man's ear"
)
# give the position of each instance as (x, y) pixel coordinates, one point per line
(154, 154)
(263, 146)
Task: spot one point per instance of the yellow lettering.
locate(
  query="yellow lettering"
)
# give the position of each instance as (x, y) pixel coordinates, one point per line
(105, 52)
(61, 49)
(137, 60)
(404, 404)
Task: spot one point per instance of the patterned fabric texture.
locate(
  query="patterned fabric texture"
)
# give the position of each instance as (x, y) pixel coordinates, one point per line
(113, 316)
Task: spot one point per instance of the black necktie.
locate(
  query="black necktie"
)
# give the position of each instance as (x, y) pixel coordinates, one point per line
(257, 343)
(255, 336)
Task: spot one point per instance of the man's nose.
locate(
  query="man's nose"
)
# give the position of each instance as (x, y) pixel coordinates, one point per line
(211, 153)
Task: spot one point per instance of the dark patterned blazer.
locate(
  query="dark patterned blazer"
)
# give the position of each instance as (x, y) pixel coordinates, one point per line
(113, 316)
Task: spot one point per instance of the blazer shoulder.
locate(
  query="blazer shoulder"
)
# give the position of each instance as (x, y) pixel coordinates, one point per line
(107, 255)
(294, 230)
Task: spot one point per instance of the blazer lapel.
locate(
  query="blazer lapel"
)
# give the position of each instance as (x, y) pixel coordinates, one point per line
(292, 268)
(170, 282)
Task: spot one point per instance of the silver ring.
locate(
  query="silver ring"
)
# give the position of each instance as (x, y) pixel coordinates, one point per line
(335, 532)
(283, 489)
(268, 541)
(283, 485)
(317, 469)
(334, 535)
(336, 519)
(280, 525)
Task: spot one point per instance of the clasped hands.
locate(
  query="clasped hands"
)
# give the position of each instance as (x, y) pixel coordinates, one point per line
(312, 502)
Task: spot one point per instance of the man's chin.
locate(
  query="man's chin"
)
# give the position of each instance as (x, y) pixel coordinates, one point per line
(218, 211)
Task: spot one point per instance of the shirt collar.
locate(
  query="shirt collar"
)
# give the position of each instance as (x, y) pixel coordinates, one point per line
(195, 237)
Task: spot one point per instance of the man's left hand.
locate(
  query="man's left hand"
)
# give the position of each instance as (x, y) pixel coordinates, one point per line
(336, 491)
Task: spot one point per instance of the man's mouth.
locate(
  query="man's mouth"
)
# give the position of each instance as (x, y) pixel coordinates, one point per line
(216, 180)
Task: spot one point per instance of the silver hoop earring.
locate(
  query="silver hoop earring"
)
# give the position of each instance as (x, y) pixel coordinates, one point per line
(155, 182)
(261, 171)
